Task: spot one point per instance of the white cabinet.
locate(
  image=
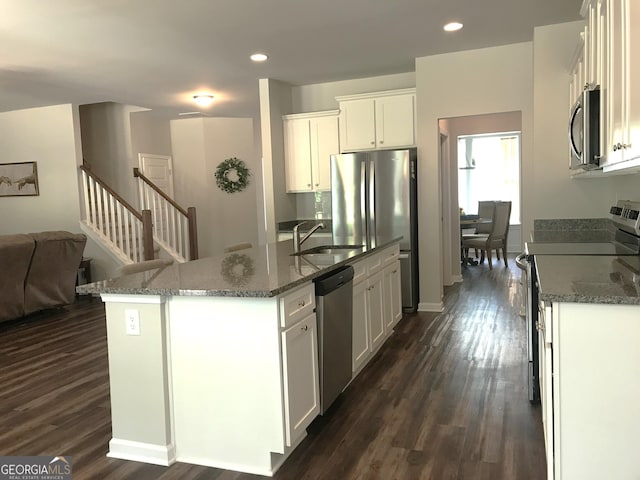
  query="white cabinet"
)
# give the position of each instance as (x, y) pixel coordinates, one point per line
(377, 120)
(376, 310)
(361, 334)
(300, 375)
(310, 139)
(611, 48)
(376, 303)
(622, 146)
(392, 295)
(588, 365)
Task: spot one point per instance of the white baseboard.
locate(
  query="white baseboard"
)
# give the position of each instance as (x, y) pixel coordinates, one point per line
(142, 452)
(430, 307)
(457, 278)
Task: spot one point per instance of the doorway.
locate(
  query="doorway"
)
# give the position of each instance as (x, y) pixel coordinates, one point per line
(456, 127)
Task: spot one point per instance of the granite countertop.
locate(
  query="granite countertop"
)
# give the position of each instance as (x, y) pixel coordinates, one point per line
(589, 279)
(263, 271)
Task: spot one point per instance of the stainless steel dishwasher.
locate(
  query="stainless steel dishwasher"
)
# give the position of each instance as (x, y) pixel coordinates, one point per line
(334, 312)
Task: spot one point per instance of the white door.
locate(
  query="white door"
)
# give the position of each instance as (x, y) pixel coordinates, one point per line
(158, 169)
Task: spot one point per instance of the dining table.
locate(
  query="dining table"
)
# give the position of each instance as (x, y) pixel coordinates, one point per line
(470, 221)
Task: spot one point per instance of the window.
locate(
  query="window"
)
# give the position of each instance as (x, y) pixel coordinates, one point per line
(489, 169)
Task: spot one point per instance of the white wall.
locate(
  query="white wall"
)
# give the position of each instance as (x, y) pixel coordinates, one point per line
(51, 137)
(150, 133)
(199, 145)
(275, 101)
(555, 194)
(107, 145)
(47, 136)
(321, 96)
(472, 82)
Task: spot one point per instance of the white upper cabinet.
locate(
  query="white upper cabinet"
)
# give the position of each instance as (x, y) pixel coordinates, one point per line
(377, 120)
(611, 60)
(623, 147)
(309, 141)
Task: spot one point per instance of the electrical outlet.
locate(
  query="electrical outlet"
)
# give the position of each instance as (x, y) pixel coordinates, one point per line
(132, 321)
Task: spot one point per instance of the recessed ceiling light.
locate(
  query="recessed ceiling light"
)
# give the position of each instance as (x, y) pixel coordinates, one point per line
(204, 100)
(258, 57)
(452, 27)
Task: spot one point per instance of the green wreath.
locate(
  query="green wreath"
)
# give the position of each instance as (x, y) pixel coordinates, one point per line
(236, 167)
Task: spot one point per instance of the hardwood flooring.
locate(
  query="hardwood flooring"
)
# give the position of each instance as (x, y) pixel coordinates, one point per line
(445, 397)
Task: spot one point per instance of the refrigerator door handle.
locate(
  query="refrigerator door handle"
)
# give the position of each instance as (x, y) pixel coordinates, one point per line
(372, 235)
(364, 223)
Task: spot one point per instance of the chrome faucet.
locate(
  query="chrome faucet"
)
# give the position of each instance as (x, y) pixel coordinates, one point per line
(297, 241)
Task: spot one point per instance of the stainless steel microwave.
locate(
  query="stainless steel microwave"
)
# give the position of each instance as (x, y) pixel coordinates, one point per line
(584, 130)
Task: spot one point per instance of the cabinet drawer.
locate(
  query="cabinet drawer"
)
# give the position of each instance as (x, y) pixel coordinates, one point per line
(296, 305)
(359, 271)
(376, 262)
(390, 255)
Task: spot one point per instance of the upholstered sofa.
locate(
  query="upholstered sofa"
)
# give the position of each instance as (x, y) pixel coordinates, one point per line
(38, 271)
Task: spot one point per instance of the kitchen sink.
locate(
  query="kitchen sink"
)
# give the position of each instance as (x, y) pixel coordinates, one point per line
(330, 250)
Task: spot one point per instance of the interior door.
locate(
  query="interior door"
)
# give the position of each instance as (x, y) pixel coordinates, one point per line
(158, 169)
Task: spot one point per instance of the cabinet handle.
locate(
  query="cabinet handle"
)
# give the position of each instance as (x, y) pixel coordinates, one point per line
(373, 143)
(394, 271)
(305, 328)
(317, 184)
(381, 142)
(302, 303)
(308, 184)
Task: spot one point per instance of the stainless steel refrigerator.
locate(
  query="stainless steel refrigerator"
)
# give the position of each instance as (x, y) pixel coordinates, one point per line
(374, 200)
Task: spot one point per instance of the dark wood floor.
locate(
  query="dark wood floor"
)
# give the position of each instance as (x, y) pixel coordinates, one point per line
(445, 398)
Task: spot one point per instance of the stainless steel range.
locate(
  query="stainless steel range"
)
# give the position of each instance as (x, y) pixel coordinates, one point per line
(625, 215)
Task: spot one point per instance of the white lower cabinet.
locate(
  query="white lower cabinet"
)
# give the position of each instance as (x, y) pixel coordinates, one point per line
(376, 303)
(300, 374)
(376, 310)
(392, 295)
(589, 366)
(361, 334)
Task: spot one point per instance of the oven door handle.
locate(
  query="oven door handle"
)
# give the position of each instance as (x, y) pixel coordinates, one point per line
(520, 261)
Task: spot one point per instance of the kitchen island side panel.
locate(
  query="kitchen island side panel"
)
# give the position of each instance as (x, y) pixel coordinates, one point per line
(227, 382)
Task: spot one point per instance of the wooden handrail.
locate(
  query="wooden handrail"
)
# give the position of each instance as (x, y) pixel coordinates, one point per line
(138, 174)
(104, 185)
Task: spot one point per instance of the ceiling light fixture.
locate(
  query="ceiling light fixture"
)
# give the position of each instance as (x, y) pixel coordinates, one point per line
(258, 57)
(204, 100)
(452, 27)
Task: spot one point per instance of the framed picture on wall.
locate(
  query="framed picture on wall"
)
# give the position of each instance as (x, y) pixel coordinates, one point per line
(18, 179)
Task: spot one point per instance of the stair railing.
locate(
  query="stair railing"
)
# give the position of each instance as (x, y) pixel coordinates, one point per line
(124, 230)
(174, 228)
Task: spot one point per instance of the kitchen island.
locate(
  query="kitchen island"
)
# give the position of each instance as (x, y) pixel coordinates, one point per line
(214, 362)
(588, 332)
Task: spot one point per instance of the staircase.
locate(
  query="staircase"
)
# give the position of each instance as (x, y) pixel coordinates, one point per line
(132, 236)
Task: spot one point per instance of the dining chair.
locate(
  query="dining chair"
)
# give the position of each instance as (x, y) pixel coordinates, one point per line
(497, 239)
(486, 210)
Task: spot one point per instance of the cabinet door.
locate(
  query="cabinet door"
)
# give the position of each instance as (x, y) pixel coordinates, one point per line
(616, 84)
(297, 138)
(301, 377)
(324, 143)
(357, 125)
(395, 121)
(361, 332)
(392, 295)
(546, 398)
(632, 57)
(375, 304)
